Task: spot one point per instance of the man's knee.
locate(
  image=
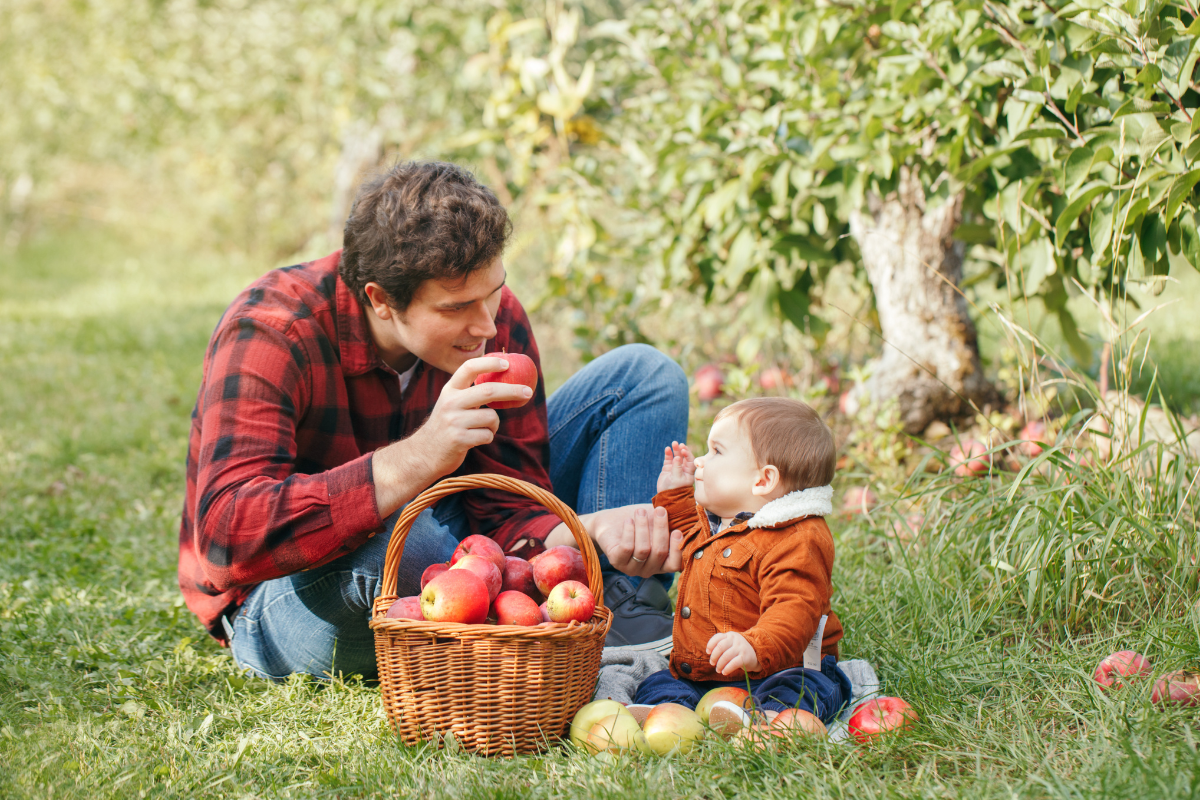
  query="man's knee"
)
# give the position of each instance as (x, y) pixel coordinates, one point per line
(649, 364)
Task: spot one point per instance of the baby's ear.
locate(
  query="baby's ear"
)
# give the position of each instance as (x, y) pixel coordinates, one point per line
(768, 480)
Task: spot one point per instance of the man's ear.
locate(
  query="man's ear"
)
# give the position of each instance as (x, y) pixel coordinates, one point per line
(768, 481)
(379, 300)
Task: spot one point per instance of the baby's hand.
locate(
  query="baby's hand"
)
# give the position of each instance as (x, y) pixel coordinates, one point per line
(678, 469)
(730, 653)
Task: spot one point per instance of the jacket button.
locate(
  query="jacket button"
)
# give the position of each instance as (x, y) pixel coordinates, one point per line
(686, 612)
(699, 554)
(685, 668)
(727, 552)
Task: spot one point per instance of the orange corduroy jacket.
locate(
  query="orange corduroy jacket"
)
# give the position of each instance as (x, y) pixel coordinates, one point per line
(769, 578)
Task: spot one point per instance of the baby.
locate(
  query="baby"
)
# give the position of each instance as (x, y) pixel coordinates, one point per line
(757, 563)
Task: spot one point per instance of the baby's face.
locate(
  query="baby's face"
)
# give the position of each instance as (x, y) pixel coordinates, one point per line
(726, 474)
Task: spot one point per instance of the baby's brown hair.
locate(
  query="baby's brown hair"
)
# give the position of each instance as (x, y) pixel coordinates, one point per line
(790, 435)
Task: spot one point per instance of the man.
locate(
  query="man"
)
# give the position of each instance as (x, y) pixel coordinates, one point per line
(336, 391)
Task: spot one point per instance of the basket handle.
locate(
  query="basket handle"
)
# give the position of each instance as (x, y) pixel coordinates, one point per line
(449, 486)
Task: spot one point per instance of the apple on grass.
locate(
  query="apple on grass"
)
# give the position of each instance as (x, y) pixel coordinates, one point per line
(558, 564)
(1034, 438)
(858, 500)
(969, 459)
(799, 721)
(1180, 688)
(518, 577)
(406, 608)
(516, 608)
(589, 715)
(486, 571)
(521, 371)
(478, 545)
(882, 715)
(672, 728)
(431, 572)
(570, 601)
(710, 382)
(1121, 664)
(617, 732)
(457, 595)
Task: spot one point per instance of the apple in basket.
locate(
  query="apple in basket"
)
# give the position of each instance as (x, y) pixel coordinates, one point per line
(457, 595)
(521, 371)
(431, 572)
(556, 565)
(518, 577)
(406, 608)
(879, 716)
(477, 545)
(545, 612)
(516, 608)
(570, 600)
(486, 571)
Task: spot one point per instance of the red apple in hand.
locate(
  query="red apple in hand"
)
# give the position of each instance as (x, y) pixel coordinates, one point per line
(431, 572)
(556, 565)
(1180, 688)
(516, 608)
(457, 595)
(477, 545)
(968, 458)
(406, 608)
(570, 600)
(1121, 664)
(521, 371)
(486, 571)
(709, 382)
(518, 577)
(879, 716)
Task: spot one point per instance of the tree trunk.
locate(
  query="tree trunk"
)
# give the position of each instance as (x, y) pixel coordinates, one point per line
(930, 361)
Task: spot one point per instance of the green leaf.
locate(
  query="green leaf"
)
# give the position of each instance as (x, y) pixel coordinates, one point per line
(795, 304)
(1076, 168)
(1075, 207)
(1101, 231)
(1153, 239)
(1079, 346)
(1181, 190)
(1189, 239)
(1038, 262)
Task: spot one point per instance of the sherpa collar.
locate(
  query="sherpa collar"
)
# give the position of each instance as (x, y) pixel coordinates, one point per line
(816, 501)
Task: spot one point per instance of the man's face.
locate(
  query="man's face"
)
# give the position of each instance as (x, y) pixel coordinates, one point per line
(726, 474)
(447, 322)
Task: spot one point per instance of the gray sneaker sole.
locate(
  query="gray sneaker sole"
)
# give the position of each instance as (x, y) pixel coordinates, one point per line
(661, 646)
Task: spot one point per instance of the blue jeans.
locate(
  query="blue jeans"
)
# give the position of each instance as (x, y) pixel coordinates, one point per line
(608, 426)
(822, 693)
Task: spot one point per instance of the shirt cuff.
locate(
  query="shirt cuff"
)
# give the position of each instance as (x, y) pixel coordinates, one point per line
(352, 499)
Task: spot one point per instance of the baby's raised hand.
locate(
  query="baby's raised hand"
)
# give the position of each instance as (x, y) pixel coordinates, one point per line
(731, 653)
(678, 469)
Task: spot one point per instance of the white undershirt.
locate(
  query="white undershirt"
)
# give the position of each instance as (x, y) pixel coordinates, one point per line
(406, 376)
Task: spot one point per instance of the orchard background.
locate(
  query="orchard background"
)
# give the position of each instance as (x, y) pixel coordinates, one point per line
(817, 188)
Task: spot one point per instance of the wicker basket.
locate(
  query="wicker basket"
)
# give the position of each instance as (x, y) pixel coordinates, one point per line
(500, 689)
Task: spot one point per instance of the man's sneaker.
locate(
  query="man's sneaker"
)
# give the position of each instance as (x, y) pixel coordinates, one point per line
(642, 618)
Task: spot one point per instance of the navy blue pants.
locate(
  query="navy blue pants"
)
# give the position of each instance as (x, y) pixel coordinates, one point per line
(822, 693)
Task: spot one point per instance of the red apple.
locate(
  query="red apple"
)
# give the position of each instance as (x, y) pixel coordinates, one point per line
(457, 595)
(486, 571)
(545, 612)
(1034, 436)
(773, 378)
(406, 608)
(1180, 688)
(477, 545)
(556, 565)
(1121, 664)
(858, 500)
(968, 458)
(518, 577)
(431, 572)
(521, 371)
(516, 608)
(570, 600)
(832, 384)
(879, 716)
(709, 382)
(731, 694)
(848, 403)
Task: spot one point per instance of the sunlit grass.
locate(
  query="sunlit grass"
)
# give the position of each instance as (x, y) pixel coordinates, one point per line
(109, 688)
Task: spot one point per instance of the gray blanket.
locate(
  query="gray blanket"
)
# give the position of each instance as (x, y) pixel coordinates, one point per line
(621, 670)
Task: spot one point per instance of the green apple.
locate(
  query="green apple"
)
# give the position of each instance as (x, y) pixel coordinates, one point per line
(588, 716)
(670, 727)
(617, 732)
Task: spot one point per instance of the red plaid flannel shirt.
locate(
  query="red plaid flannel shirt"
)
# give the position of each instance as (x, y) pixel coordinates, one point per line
(293, 402)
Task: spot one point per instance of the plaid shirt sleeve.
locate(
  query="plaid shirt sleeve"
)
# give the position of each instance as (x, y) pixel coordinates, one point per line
(520, 449)
(257, 517)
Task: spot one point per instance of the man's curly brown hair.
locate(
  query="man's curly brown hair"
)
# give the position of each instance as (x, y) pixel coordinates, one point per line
(420, 221)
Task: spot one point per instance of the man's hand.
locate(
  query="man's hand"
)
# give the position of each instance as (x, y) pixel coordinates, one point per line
(644, 545)
(457, 423)
(678, 469)
(731, 653)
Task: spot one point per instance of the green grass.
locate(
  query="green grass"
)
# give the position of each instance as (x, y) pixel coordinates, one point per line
(109, 688)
